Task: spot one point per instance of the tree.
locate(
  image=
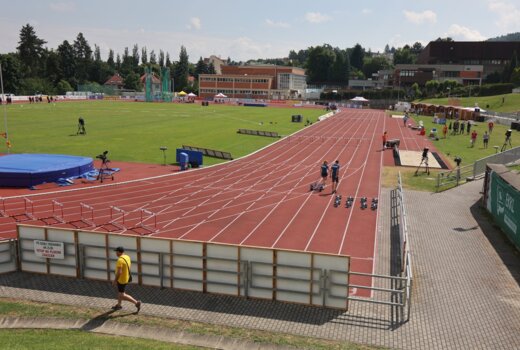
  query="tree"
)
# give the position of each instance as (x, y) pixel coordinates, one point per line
(416, 48)
(62, 87)
(168, 62)
(356, 56)
(127, 64)
(131, 81)
(181, 70)
(374, 64)
(144, 55)
(118, 63)
(387, 49)
(403, 56)
(432, 87)
(319, 61)
(11, 72)
(515, 76)
(110, 60)
(211, 68)
(161, 58)
(67, 62)
(135, 57)
(200, 68)
(339, 71)
(83, 58)
(153, 58)
(30, 50)
(52, 67)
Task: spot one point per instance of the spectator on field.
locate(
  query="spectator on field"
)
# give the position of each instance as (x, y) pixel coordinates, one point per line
(385, 138)
(473, 138)
(445, 130)
(485, 139)
(455, 127)
(468, 127)
(462, 127)
(490, 126)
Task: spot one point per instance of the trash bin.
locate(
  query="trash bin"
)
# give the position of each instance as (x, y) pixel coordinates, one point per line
(184, 160)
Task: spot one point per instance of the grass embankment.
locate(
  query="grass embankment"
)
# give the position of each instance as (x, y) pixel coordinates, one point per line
(134, 132)
(28, 339)
(508, 103)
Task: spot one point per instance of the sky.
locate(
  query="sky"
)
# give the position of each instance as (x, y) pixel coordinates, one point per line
(246, 29)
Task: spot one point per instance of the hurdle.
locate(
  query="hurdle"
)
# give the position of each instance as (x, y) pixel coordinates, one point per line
(28, 211)
(2, 208)
(57, 214)
(85, 218)
(115, 215)
(144, 216)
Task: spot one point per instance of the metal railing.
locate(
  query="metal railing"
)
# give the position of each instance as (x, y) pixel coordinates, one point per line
(455, 177)
(394, 291)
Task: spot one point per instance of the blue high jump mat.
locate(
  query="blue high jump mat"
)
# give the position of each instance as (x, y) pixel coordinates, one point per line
(27, 169)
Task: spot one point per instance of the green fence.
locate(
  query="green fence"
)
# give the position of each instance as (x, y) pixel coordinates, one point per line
(503, 202)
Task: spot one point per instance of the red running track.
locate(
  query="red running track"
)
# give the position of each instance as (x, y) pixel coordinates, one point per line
(261, 200)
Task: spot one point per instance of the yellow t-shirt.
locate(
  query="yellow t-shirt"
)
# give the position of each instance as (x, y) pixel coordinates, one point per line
(124, 276)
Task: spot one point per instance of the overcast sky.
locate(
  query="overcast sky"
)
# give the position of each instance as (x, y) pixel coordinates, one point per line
(245, 29)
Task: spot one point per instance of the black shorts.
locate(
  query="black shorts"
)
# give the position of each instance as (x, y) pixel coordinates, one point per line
(335, 179)
(121, 287)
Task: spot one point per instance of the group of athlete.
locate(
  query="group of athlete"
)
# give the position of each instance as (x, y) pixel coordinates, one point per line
(334, 174)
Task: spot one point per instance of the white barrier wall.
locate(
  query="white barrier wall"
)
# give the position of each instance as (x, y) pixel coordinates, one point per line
(7, 256)
(297, 277)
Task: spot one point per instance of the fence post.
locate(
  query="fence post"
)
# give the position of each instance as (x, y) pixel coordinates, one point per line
(161, 268)
(458, 175)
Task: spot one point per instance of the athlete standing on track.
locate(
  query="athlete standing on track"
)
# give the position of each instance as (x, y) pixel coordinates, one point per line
(334, 175)
(324, 172)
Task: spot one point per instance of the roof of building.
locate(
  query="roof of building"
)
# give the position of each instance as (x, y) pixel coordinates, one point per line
(115, 80)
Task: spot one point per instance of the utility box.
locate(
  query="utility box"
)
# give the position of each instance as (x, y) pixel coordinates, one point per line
(184, 160)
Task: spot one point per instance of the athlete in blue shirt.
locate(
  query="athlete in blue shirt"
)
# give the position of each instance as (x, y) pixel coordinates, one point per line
(324, 172)
(334, 175)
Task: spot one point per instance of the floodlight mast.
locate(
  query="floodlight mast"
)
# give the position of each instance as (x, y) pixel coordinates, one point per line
(5, 109)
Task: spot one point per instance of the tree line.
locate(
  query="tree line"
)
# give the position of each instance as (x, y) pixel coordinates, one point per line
(34, 68)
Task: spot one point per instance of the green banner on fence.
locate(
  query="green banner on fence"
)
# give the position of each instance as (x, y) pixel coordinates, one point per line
(504, 204)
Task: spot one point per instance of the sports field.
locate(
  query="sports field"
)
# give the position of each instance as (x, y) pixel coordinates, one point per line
(134, 132)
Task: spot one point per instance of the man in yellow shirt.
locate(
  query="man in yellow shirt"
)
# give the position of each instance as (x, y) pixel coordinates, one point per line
(122, 278)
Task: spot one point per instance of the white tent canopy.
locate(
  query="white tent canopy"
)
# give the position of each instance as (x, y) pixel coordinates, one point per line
(359, 99)
(220, 95)
(191, 94)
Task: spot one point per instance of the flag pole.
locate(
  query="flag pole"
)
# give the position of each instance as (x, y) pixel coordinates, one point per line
(5, 109)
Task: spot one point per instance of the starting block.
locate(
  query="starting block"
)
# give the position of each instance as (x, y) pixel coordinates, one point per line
(315, 186)
(337, 201)
(349, 202)
(364, 204)
(375, 201)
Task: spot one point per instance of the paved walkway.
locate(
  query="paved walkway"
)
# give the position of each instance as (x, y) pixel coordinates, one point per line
(466, 291)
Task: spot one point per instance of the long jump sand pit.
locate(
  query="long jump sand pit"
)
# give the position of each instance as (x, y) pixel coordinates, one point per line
(413, 158)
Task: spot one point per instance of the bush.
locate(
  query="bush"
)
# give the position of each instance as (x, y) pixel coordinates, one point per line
(495, 89)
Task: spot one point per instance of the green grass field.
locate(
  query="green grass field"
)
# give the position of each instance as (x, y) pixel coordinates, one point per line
(459, 145)
(511, 102)
(134, 132)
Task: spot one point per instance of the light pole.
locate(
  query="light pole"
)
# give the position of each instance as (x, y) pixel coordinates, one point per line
(5, 111)
(449, 91)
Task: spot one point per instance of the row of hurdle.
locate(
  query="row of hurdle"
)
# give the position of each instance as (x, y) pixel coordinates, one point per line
(118, 220)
